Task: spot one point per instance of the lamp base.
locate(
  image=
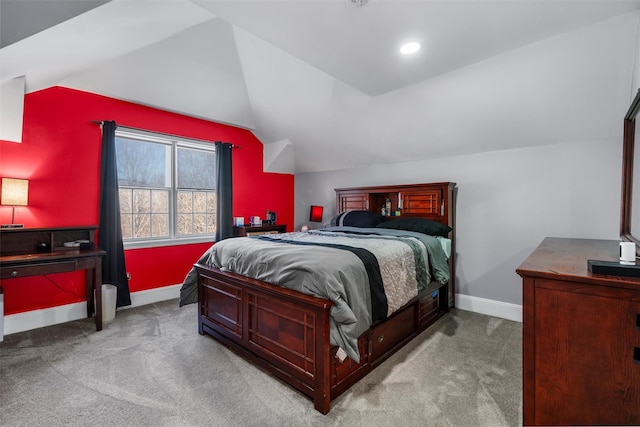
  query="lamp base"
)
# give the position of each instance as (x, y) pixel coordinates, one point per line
(12, 226)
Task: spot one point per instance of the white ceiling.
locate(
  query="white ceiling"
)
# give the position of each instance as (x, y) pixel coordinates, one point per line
(321, 82)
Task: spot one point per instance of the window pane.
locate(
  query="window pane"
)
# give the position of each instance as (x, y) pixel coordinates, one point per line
(142, 164)
(125, 195)
(185, 201)
(211, 224)
(141, 201)
(160, 201)
(141, 225)
(184, 224)
(126, 222)
(211, 201)
(196, 169)
(159, 225)
(199, 201)
(199, 223)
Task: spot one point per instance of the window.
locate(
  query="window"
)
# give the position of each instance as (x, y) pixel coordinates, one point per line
(167, 189)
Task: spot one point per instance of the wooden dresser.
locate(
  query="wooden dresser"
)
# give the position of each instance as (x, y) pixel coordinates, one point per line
(581, 337)
(257, 230)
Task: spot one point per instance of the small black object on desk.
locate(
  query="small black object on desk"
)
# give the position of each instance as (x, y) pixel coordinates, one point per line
(613, 268)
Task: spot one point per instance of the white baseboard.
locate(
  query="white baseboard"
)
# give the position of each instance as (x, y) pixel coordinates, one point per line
(154, 295)
(489, 307)
(34, 319)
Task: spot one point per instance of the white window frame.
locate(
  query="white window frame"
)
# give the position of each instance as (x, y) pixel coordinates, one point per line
(174, 142)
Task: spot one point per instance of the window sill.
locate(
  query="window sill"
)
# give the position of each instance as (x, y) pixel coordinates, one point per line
(141, 244)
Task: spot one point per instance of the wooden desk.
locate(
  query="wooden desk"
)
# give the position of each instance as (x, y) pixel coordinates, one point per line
(19, 258)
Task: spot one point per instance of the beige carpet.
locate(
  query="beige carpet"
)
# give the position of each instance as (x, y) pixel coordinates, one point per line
(150, 367)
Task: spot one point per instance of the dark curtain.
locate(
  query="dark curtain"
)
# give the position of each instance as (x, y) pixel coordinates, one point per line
(224, 212)
(114, 270)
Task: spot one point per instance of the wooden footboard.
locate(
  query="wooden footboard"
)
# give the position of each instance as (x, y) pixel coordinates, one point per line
(287, 332)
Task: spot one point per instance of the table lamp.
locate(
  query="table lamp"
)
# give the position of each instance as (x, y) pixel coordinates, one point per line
(315, 214)
(15, 192)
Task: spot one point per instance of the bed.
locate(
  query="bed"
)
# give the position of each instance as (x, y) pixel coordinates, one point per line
(345, 298)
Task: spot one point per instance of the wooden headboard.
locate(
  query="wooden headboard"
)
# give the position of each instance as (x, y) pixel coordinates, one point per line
(436, 201)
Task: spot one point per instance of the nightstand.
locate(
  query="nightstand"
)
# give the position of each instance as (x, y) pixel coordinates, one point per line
(256, 230)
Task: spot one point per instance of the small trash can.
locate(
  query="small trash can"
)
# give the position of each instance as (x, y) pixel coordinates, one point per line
(109, 295)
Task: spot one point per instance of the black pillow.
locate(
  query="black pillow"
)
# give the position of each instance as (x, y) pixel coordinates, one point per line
(363, 219)
(421, 225)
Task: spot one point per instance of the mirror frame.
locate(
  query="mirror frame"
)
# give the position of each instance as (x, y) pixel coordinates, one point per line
(627, 172)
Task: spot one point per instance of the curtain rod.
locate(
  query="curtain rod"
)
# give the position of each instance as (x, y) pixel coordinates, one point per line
(101, 122)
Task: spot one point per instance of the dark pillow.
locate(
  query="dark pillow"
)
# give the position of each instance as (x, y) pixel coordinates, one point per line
(364, 219)
(421, 225)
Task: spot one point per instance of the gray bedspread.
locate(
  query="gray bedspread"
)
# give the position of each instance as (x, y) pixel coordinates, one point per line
(322, 263)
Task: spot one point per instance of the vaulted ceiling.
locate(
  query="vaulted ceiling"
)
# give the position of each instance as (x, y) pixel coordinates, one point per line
(321, 82)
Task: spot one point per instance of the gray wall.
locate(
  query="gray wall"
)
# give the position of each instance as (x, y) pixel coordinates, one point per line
(508, 201)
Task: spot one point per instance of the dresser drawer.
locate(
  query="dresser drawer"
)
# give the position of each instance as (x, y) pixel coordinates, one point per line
(258, 230)
(261, 232)
(11, 272)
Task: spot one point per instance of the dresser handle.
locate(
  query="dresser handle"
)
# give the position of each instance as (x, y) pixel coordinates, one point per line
(638, 322)
(14, 273)
(636, 355)
(381, 338)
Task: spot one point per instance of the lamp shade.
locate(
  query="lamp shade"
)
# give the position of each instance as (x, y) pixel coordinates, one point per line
(15, 192)
(315, 214)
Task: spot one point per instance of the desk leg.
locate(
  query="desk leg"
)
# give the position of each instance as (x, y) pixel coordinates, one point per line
(98, 293)
(90, 291)
(94, 293)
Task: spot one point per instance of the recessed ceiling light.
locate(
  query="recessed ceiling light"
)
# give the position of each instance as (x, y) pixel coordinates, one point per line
(409, 48)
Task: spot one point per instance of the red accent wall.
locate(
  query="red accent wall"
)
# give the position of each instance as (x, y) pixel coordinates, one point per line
(60, 155)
